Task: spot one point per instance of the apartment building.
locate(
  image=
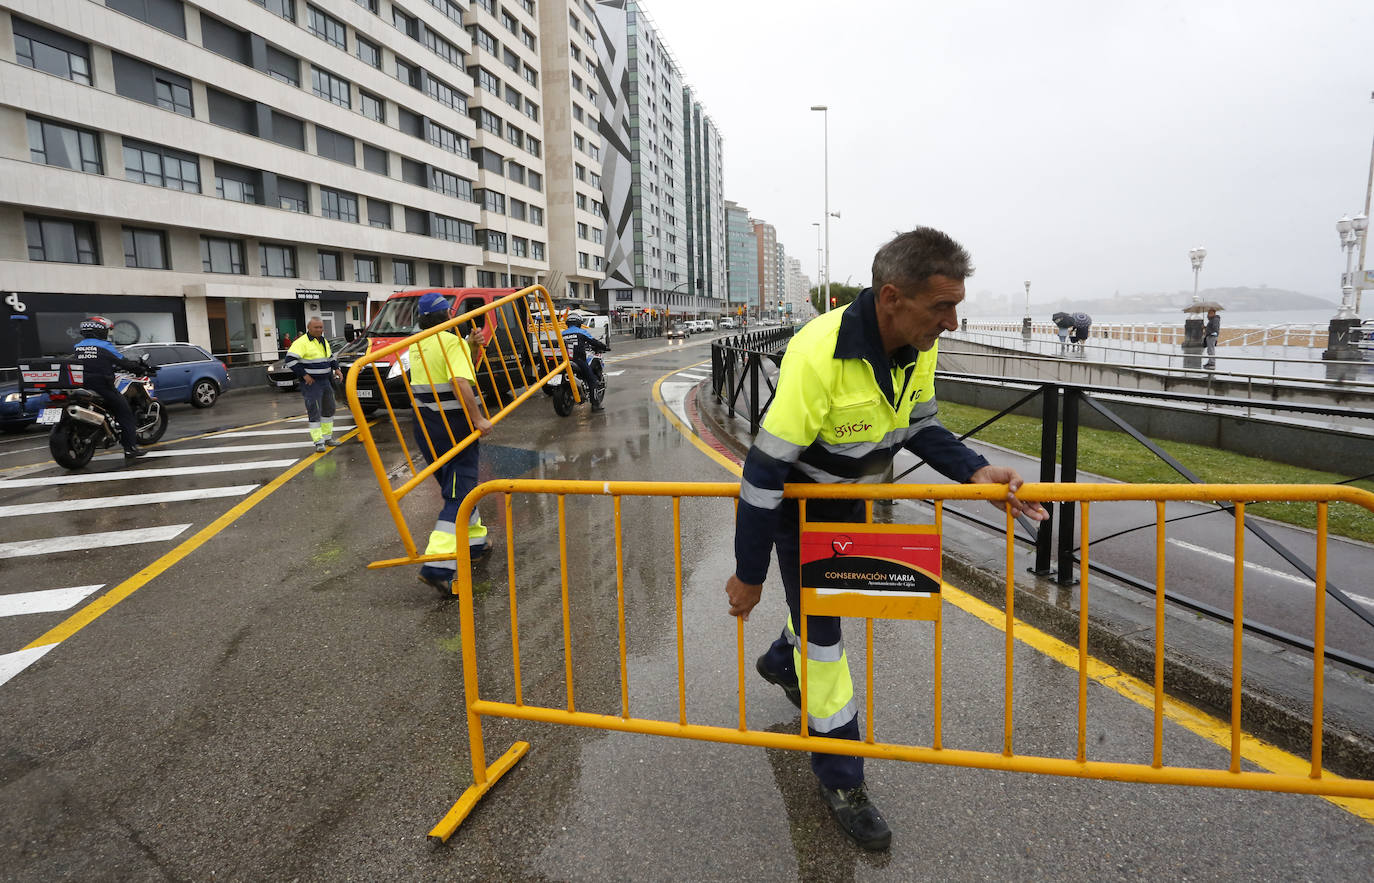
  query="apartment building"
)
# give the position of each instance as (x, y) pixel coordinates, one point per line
(770, 287)
(221, 170)
(572, 138)
(742, 260)
(706, 264)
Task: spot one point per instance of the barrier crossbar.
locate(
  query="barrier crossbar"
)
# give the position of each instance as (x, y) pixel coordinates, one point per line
(537, 351)
(1076, 763)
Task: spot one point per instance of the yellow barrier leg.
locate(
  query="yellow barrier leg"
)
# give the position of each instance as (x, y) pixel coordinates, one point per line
(476, 791)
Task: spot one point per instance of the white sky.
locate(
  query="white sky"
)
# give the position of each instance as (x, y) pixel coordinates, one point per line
(1085, 146)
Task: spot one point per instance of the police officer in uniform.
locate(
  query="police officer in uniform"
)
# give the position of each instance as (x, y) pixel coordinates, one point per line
(442, 379)
(855, 386)
(312, 360)
(99, 359)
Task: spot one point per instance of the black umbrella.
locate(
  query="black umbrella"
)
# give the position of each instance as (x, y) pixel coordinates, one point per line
(1063, 320)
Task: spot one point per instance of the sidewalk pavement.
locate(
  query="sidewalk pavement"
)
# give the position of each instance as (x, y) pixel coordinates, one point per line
(1277, 681)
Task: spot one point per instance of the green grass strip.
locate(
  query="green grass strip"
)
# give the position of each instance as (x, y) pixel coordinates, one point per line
(1117, 455)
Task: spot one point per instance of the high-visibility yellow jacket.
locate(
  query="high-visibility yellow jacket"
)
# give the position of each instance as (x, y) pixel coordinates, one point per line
(311, 355)
(435, 362)
(842, 409)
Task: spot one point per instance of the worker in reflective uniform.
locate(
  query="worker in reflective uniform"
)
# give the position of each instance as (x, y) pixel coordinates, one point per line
(312, 360)
(441, 378)
(856, 386)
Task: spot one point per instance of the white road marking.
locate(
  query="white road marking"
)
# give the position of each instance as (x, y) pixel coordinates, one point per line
(45, 601)
(1260, 568)
(614, 373)
(693, 376)
(163, 472)
(226, 449)
(77, 542)
(337, 422)
(12, 664)
(208, 493)
(245, 433)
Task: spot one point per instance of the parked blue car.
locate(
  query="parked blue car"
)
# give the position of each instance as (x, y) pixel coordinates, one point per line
(185, 372)
(16, 411)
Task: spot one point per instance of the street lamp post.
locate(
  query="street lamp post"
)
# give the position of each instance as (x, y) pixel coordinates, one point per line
(817, 225)
(505, 197)
(1193, 325)
(825, 115)
(1026, 320)
(1338, 345)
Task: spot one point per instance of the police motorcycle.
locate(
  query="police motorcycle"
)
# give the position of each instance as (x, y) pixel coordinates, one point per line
(82, 421)
(562, 392)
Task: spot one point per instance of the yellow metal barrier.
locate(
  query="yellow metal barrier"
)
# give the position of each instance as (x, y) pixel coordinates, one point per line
(1078, 765)
(526, 343)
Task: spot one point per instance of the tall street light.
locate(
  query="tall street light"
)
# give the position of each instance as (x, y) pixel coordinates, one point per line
(825, 114)
(505, 197)
(1338, 345)
(1193, 337)
(817, 225)
(1026, 321)
(1196, 255)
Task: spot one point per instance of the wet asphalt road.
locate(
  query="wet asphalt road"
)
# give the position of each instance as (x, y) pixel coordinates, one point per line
(267, 708)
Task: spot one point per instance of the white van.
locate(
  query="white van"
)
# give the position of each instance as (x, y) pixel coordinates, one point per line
(598, 326)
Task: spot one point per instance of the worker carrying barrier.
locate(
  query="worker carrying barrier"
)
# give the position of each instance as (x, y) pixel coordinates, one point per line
(508, 355)
(859, 569)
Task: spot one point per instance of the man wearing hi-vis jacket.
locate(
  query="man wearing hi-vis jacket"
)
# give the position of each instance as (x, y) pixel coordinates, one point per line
(312, 360)
(855, 386)
(441, 378)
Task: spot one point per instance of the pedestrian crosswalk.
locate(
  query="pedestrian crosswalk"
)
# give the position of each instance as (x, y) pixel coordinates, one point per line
(55, 525)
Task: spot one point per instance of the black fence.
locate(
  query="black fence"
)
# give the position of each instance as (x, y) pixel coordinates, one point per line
(737, 370)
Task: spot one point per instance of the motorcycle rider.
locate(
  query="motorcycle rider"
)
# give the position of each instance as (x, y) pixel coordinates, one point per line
(99, 359)
(577, 339)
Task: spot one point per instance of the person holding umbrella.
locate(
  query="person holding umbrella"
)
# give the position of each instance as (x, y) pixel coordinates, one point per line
(1082, 324)
(1062, 323)
(1210, 335)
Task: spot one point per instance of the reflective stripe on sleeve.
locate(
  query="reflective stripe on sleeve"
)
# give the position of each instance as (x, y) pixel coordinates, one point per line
(761, 498)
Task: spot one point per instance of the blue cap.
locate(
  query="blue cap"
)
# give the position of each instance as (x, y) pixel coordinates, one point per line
(432, 302)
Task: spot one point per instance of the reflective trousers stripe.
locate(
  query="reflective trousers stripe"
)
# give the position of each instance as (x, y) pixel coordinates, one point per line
(829, 689)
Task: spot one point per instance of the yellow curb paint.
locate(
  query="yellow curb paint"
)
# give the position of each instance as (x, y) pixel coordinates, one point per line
(88, 614)
(1196, 721)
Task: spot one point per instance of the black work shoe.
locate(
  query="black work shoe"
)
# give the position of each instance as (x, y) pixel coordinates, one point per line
(442, 586)
(858, 817)
(133, 453)
(479, 553)
(787, 680)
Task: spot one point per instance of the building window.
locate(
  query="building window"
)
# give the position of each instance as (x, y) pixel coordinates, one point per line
(536, 215)
(283, 66)
(537, 250)
(510, 59)
(408, 74)
(598, 236)
(487, 80)
(515, 135)
(173, 96)
(583, 259)
(369, 5)
(56, 145)
(443, 48)
(531, 110)
(338, 205)
(445, 94)
(285, 8)
(582, 201)
(167, 15)
(581, 230)
(518, 210)
(492, 201)
(443, 182)
(403, 272)
(519, 247)
(326, 27)
(235, 190)
(486, 278)
(368, 51)
(278, 260)
(492, 240)
(483, 39)
(364, 268)
(61, 241)
(509, 23)
(536, 181)
(531, 76)
(162, 166)
(35, 49)
(221, 255)
(533, 145)
(331, 88)
(453, 230)
(406, 24)
(446, 139)
(371, 106)
(330, 264)
(379, 214)
(488, 121)
(513, 97)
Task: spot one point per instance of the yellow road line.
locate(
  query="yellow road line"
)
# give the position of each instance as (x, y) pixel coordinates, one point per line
(88, 614)
(1214, 730)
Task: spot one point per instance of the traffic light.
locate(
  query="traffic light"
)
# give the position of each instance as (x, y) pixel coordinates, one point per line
(832, 301)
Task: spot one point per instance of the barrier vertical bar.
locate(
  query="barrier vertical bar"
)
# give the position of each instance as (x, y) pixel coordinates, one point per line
(514, 613)
(1237, 635)
(802, 639)
(739, 659)
(620, 608)
(567, 616)
(677, 595)
(1083, 638)
(381, 390)
(1010, 640)
(939, 638)
(1158, 758)
(1319, 644)
(868, 652)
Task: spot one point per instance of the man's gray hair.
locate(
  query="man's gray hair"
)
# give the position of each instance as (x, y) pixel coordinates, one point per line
(911, 258)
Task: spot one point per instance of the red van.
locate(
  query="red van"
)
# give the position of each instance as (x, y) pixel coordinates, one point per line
(500, 375)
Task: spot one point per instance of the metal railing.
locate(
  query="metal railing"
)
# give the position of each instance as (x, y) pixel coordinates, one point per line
(595, 592)
(738, 362)
(529, 344)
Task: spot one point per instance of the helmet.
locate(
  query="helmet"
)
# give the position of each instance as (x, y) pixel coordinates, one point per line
(432, 302)
(97, 326)
(574, 322)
